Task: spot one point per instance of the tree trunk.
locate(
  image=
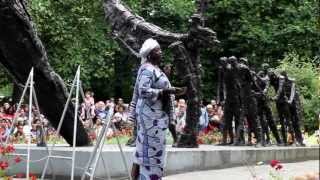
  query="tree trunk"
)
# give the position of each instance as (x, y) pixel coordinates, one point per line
(20, 50)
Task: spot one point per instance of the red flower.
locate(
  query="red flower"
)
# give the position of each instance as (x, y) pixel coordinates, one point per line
(200, 141)
(17, 159)
(32, 176)
(279, 167)
(4, 165)
(2, 150)
(10, 148)
(274, 163)
(20, 175)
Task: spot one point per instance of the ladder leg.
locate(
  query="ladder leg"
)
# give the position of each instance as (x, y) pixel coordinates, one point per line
(93, 154)
(100, 149)
(106, 168)
(59, 128)
(122, 154)
(45, 168)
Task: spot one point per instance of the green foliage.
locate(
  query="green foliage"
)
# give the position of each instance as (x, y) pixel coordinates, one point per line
(264, 30)
(73, 33)
(5, 85)
(6, 90)
(168, 14)
(307, 78)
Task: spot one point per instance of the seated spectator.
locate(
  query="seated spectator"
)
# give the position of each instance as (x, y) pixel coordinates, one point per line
(119, 117)
(27, 130)
(100, 111)
(5, 116)
(204, 118)
(46, 126)
(36, 130)
(120, 104)
(112, 101)
(5, 131)
(18, 132)
(217, 111)
(21, 115)
(89, 128)
(87, 107)
(8, 109)
(215, 115)
(110, 105)
(181, 113)
(98, 127)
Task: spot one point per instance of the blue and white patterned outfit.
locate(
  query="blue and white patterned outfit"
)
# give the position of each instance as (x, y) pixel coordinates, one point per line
(152, 121)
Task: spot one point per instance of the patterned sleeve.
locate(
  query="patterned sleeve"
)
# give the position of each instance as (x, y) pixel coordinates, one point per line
(145, 89)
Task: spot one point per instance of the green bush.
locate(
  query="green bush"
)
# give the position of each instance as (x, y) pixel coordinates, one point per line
(6, 90)
(307, 77)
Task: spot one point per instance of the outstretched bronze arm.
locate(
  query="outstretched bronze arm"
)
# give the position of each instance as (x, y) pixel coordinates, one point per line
(132, 29)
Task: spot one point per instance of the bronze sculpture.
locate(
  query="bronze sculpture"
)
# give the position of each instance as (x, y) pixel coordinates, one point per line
(131, 30)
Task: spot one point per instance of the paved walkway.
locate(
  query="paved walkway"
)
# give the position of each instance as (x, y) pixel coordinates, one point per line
(242, 173)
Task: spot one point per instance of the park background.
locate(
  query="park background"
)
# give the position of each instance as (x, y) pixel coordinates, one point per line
(283, 33)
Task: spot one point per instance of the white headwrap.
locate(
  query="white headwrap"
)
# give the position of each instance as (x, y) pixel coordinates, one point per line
(146, 48)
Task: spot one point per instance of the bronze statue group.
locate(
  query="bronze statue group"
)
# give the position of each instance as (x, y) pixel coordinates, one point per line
(244, 94)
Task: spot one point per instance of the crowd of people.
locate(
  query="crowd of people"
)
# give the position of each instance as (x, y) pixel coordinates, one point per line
(91, 115)
(17, 132)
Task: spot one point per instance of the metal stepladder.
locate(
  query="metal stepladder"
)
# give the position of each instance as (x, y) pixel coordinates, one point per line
(32, 101)
(92, 164)
(75, 84)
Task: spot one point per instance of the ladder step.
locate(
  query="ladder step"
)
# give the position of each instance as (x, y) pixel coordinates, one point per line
(60, 157)
(88, 174)
(15, 154)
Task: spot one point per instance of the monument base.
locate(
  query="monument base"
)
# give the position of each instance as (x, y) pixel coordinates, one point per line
(178, 160)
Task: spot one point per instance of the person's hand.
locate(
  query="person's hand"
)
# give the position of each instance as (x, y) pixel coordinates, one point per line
(174, 90)
(131, 118)
(168, 91)
(180, 90)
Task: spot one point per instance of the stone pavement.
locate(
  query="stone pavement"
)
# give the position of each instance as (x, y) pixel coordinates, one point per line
(242, 173)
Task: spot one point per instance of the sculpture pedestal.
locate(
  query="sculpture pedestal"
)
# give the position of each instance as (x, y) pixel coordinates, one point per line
(187, 141)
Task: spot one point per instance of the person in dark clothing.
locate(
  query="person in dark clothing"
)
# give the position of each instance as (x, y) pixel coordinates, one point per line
(264, 110)
(248, 105)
